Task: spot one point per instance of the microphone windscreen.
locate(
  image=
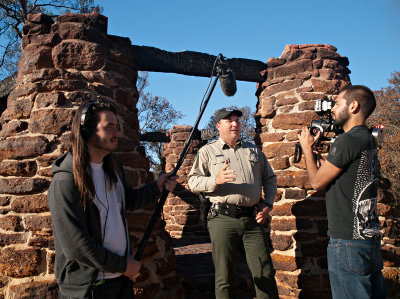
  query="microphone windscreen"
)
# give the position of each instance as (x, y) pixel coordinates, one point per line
(228, 83)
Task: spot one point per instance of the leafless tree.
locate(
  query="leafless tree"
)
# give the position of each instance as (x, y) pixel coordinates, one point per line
(155, 114)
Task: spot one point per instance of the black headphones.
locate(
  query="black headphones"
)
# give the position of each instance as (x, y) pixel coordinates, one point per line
(86, 132)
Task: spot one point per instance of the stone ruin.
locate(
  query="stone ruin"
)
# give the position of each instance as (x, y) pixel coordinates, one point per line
(65, 63)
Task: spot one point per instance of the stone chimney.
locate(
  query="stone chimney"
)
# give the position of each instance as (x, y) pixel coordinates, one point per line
(63, 64)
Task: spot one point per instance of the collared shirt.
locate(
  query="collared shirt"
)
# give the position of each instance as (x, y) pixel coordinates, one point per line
(252, 170)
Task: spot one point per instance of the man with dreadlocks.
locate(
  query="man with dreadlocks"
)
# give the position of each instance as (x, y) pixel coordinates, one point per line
(88, 197)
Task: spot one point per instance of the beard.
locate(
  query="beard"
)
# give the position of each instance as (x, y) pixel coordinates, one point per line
(341, 118)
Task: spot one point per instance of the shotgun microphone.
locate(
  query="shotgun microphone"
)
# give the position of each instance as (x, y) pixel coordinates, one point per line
(227, 78)
(227, 81)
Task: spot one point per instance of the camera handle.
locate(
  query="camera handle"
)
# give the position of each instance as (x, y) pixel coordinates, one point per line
(298, 151)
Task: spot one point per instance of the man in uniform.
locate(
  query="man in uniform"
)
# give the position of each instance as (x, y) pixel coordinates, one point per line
(232, 173)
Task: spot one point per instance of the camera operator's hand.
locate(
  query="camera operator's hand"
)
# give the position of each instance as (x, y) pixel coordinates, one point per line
(306, 139)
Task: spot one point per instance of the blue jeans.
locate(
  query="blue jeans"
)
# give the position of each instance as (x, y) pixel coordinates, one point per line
(355, 269)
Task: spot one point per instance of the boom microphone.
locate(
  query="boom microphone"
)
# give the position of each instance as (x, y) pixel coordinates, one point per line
(227, 81)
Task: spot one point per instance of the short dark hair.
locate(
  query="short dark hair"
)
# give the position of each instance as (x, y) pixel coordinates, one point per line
(363, 95)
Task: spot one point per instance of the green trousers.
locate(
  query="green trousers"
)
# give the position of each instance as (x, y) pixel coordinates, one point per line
(227, 236)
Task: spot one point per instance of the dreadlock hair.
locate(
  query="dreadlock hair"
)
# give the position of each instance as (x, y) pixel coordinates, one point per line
(84, 126)
(363, 95)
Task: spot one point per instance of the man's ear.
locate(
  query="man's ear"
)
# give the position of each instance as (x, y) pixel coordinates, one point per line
(217, 125)
(354, 107)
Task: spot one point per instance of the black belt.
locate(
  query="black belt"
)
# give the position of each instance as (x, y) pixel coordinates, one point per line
(231, 210)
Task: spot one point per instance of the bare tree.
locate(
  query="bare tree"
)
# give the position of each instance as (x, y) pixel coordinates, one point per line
(13, 13)
(155, 114)
(387, 114)
(247, 121)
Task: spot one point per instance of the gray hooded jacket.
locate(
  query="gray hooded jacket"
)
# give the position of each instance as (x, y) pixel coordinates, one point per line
(77, 230)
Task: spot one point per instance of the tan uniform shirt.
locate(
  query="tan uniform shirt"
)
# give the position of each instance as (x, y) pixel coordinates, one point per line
(251, 168)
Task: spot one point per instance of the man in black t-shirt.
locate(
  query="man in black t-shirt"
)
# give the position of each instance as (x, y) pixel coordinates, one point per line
(350, 176)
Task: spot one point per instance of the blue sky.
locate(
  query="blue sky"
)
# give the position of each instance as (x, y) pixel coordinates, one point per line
(365, 31)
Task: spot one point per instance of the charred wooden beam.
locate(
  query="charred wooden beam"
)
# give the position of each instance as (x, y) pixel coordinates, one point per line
(194, 63)
(155, 137)
(205, 134)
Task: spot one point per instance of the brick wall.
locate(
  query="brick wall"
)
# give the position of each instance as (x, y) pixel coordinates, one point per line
(63, 64)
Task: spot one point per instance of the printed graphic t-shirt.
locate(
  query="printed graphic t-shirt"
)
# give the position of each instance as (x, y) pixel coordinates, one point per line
(351, 199)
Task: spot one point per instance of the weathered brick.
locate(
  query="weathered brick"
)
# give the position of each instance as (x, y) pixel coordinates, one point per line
(295, 193)
(20, 263)
(19, 107)
(11, 222)
(22, 185)
(387, 210)
(79, 55)
(288, 179)
(35, 57)
(11, 239)
(293, 120)
(273, 62)
(285, 224)
(271, 137)
(294, 67)
(18, 168)
(329, 87)
(42, 240)
(281, 242)
(5, 200)
(280, 163)
(23, 147)
(51, 259)
(284, 86)
(51, 121)
(286, 262)
(13, 127)
(38, 222)
(278, 149)
(51, 99)
(35, 289)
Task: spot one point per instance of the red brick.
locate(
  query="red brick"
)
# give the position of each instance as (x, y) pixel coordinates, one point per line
(34, 289)
(19, 108)
(11, 222)
(79, 55)
(295, 193)
(281, 242)
(294, 67)
(52, 99)
(18, 168)
(329, 87)
(23, 185)
(280, 163)
(38, 222)
(289, 179)
(51, 258)
(11, 239)
(20, 263)
(41, 240)
(284, 86)
(293, 120)
(23, 147)
(267, 106)
(278, 149)
(13, 127)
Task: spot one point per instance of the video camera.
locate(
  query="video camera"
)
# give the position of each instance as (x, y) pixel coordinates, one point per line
(329, 131)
